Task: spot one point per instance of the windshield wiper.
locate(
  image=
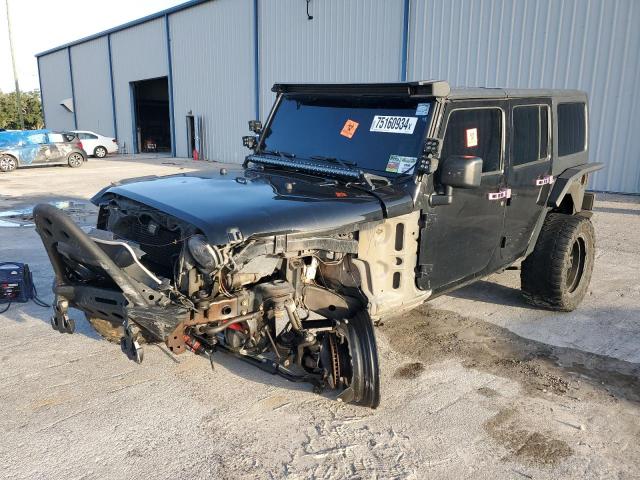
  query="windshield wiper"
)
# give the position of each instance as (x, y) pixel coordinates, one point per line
(368, 178)
(344, 163)
(279, 153)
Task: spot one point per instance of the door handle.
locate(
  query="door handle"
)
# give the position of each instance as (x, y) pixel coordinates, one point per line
(545, 180)
(501, 195)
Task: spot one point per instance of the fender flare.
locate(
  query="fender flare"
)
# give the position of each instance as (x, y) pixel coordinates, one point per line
(569, 182)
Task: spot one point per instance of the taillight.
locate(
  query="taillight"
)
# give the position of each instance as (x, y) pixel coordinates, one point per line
(80, 145)
(114, 140)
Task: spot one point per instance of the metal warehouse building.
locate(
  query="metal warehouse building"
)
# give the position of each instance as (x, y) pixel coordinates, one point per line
(194, 74)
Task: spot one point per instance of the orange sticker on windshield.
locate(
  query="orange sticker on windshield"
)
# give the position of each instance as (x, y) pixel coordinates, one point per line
(472, 137)
(349, 128)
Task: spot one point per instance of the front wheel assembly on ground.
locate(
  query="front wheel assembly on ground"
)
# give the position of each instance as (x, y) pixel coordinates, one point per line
(557, 273)
(349, 357)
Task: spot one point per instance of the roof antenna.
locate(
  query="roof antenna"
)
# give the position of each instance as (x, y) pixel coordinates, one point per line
(309, 16)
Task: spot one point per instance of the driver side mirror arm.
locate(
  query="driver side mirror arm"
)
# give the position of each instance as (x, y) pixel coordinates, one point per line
(437, 199)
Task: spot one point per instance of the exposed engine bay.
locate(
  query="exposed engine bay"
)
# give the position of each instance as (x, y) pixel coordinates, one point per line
(279, 302)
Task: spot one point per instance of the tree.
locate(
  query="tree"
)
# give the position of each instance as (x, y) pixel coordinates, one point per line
(31, 109)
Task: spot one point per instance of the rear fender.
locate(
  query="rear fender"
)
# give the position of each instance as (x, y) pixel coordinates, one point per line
(568, 192)
(573, 183)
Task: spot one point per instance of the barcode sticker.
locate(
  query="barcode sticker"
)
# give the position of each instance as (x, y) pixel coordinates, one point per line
(389, 124)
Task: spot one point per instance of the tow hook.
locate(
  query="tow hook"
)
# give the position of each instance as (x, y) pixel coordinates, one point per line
(129, 343)
(60, 320)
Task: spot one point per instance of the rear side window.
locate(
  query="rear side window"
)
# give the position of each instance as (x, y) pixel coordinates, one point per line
(37, 138)
(60, 137)
(475, 132)
(530, 134)
(572, 128)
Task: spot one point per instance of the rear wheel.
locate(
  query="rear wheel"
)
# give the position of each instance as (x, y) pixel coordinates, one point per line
(8, 163)
(75, 160)
(557, 273)
(100, 152)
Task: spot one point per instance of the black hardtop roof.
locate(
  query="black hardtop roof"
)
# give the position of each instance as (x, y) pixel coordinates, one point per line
(423, 88)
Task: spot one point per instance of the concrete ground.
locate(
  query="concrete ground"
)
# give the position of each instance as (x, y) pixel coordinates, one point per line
(476, 384)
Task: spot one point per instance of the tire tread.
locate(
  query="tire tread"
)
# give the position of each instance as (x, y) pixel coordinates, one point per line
(542, 273)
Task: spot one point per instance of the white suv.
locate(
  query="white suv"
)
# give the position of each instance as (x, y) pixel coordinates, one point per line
(97, 145)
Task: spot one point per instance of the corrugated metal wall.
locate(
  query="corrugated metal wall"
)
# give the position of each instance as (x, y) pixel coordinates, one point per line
(205, 42)
(92, 86)
(347, 41)
(137, 53)
(591, 45)
(56, 86)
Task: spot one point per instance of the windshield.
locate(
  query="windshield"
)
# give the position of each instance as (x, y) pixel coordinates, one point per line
(379, 135)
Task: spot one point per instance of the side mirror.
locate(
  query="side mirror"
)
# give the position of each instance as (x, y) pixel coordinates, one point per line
(255, 126)
(457, 171)
(461, 171)
(250, 142)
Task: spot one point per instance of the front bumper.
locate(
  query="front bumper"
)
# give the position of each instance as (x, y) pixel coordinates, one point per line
(87, 278)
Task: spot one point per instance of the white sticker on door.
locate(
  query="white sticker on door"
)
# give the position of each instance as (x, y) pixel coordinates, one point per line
(391, 124)
(472, 137)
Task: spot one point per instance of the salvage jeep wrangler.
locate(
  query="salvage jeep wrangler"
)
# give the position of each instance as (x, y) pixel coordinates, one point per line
(356, 203)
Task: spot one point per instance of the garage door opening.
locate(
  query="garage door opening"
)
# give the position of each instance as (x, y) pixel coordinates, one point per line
(151, 115)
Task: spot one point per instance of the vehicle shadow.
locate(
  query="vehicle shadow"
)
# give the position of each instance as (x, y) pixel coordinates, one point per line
(494, 293)
(622, 211)
(247, 371)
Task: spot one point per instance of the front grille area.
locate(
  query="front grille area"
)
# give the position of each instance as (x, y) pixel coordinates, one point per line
(161, 245)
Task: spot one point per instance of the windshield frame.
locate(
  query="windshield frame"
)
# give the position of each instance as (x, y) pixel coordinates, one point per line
(393, 176)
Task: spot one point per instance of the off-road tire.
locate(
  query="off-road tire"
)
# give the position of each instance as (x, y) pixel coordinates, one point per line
(100, 152)
(8, 163)
(111, 331)
(75, 160)
(557, 273)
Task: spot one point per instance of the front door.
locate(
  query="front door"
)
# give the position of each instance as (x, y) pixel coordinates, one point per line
(528, 173)
(460, 240)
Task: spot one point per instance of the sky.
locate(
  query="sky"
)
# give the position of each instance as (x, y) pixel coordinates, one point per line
(38, 25)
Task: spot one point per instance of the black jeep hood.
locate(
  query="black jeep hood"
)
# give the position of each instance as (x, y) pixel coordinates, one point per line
(259, 202)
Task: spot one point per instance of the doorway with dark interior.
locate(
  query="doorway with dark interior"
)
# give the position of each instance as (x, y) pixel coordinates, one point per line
(191, 135)
(152, 124)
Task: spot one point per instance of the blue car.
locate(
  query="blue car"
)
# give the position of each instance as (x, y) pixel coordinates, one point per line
(21, 148)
